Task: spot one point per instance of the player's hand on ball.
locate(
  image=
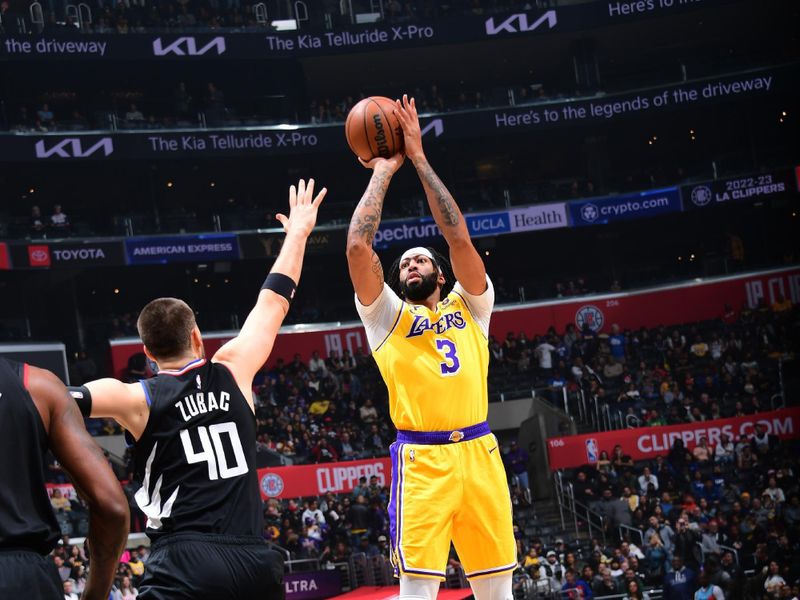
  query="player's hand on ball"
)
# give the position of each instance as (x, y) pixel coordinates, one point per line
(390, 165)
(303, 206)
(406, 112)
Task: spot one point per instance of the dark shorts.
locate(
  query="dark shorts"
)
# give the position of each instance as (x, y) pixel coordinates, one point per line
(29, 575)
(194, 566)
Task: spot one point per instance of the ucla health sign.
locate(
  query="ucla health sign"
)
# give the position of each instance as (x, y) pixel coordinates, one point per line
(190, 248)
(538, 216)
(601, 211)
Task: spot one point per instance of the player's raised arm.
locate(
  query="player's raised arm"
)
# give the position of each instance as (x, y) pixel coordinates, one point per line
(91, 475)
(366, 270)
(245, 354)
(467, 264)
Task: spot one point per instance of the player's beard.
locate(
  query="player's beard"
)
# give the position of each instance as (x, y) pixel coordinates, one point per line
(420, 289)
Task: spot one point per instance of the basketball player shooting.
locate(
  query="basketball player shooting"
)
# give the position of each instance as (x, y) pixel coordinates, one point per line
(428, 328)
(195, 434)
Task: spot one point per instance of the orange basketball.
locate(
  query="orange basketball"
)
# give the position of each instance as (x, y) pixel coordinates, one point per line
(372, 129)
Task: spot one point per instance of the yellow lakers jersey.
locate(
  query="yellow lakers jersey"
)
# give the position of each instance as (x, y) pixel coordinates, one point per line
(435, 365)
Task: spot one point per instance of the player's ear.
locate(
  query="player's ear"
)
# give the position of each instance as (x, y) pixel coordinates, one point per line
(197, 338)
(148, 355)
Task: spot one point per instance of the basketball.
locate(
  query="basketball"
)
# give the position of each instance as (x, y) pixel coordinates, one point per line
(372, 129)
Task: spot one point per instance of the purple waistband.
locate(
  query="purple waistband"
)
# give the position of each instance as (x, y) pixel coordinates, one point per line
(443, 437)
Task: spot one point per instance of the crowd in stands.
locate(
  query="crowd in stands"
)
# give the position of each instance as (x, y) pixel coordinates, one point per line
(140, 17)
(205, 105)
(55, 225)
(724, 514)
(699, 371)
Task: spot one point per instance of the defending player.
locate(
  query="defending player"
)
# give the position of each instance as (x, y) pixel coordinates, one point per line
(428, 334)
(36, 412)
(195, 433)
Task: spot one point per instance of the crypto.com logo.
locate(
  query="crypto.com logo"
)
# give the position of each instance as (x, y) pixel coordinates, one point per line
(590, 213)
(73, 148)
(187, 46)
(518, 23)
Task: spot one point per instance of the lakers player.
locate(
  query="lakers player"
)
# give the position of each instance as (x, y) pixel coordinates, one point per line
(428, 334)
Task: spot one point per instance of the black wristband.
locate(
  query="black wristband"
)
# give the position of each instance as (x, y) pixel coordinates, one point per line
(281, 284)
(83, 398)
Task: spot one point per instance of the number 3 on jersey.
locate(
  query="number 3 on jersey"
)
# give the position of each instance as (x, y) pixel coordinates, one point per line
(214, 454)
(451, 364)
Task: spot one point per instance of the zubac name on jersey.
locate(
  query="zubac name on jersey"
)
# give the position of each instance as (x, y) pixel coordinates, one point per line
(200, 403)
(421, 324)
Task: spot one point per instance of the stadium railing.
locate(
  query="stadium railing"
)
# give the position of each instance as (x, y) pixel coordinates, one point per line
(581, 514)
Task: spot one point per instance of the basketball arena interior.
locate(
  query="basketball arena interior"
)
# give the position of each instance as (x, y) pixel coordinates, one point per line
(628, 171)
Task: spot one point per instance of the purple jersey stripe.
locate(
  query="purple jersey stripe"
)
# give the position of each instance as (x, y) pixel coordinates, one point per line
(491, 571)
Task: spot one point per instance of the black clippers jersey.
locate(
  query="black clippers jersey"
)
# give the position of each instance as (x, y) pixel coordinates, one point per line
(196, 458)
(26, 517)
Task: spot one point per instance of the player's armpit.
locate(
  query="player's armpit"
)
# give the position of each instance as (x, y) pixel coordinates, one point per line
(468, 266)
(126, 403)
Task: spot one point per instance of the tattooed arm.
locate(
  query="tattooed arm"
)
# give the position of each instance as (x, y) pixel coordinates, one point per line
(366, 270)
(467, 264)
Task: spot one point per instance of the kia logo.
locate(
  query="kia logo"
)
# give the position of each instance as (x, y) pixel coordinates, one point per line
(187, 46)
(519, 23)
(73, 148)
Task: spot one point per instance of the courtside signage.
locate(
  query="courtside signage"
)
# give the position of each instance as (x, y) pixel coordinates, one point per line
(537, 217)
(312, 585)
(601, 211)
(318, 480)
(68, 254)
(415, 230)
(645, 443)
(163, 250)
(737, 189)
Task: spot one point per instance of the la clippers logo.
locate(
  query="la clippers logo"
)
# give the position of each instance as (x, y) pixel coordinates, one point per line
(39, 256)
(187, 46)
(518, 23)
(590, 315)
(701, 195)
(73, 148)
(272, 485)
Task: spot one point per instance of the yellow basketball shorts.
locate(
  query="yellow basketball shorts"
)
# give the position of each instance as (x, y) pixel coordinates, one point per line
(450, 486)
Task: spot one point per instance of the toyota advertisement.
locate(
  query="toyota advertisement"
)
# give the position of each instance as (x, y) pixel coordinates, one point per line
(46, 255)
